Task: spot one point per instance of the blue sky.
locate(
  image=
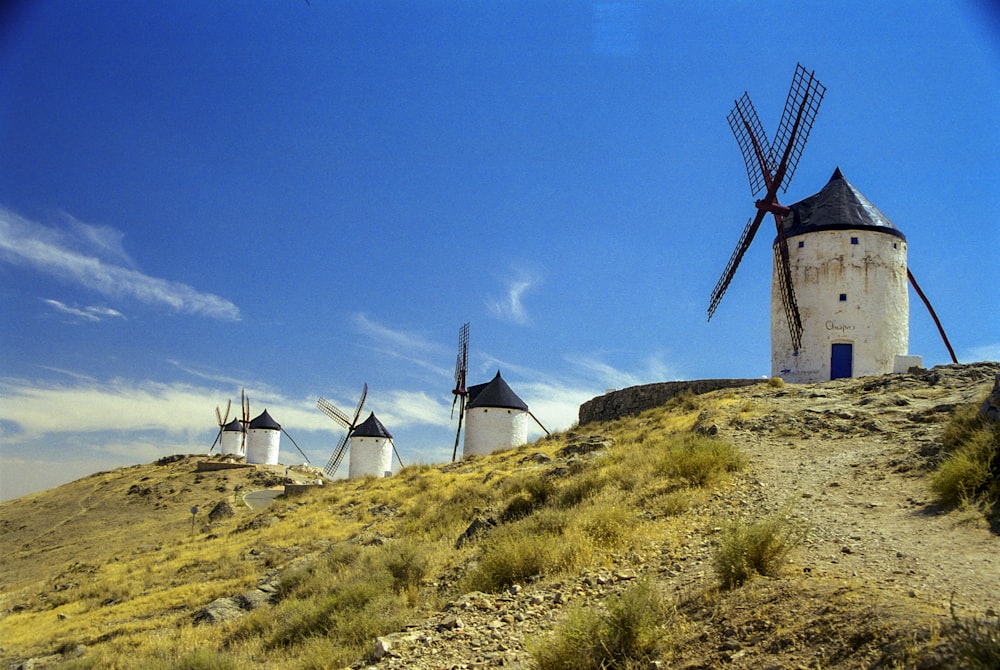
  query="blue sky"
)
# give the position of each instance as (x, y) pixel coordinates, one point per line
(300, 197)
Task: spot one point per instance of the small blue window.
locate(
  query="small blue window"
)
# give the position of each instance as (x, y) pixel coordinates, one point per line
(801, 244)
(854, 240)
(843, 297)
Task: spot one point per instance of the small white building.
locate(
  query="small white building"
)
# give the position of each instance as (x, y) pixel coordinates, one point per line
(495, 418)
(848, 264)
(231, 442)
(371, 450)
(263, 440)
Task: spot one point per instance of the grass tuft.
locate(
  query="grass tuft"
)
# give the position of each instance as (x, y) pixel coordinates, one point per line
(977, 642)
(628, 634)
(970, 471)
(757, 548)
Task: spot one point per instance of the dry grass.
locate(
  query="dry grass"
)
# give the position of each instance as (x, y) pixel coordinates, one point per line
(359, 558)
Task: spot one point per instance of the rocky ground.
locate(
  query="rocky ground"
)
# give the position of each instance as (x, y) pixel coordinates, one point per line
(877, 575)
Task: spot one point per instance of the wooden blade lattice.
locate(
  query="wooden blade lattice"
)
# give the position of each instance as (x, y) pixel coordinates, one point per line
(787, 288)
(349, 423)
(771, 165)
(734, 261)
(337, 456)
(801, 106)
(753, 142)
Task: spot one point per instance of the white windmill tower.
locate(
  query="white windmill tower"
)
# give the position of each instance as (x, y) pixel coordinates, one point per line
(231, 442)
(839, 302)
(496, 418)
(263, 440)
(263, 443)
(371, 450)
(231, 437)
(848, 264)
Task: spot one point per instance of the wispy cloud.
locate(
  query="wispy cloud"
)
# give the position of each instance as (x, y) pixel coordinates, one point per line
(986, 352)
(651, 370)
(510, 306)
(91, 313)
(93, 257)
(404, 408)
(402, 344)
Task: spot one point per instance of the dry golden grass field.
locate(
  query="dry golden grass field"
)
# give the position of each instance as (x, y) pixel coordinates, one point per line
(772, 526)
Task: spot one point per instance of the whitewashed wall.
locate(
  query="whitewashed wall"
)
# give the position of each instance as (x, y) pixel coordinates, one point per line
(489, 429)
(874, 318)
(370, 457)
(263, 445)
(231, 443)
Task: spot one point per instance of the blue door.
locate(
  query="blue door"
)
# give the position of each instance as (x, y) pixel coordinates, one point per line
(841, 360)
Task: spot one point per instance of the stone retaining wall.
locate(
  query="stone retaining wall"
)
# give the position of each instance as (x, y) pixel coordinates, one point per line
(210, 466)
(636, 399)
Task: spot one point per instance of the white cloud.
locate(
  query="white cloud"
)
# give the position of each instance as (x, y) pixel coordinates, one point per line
(653, 369)
(404, 408)
(92, 313)
(986, 352)
(402, 344)
(555, 405)
(510, 307)
(92, 257)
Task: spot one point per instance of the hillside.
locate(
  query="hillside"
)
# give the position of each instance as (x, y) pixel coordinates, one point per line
(110, 571)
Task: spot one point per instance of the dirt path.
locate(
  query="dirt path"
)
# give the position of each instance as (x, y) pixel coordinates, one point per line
(848, 457)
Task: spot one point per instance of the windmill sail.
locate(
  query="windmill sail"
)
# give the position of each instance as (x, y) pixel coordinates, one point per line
(350, 423)
(461, 374)
(771, 165)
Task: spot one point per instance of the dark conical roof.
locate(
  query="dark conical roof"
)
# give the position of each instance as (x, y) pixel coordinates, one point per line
(233, 426)
(371, 427)
(839, 206)
(495, 393)
(265, 421)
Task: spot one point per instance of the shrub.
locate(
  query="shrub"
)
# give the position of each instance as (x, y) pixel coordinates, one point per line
(407, 564)
(701, 460)
(609, 526)
(977, 642)
(971, 467)
(581, 488)
(758, 548)
(509, 557)
(963, 475)
(627, 635)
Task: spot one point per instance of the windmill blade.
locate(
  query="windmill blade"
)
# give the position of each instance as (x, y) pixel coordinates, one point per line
(753, 142)
(734, 261)
(461, 413)
(218, 437)
(787, 288)
(398, 459)
(245, 406)
(337, 456)
(333, 412)
(361, 403)
(462, 360)
(937, 321)
(225, 418)
(804, 97)
(546, 430)
(296, 446)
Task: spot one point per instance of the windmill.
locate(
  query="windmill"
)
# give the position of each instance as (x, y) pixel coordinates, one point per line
(223, 420)
(245, 420)
(350, 423)
(460, 392)
(770, 167)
